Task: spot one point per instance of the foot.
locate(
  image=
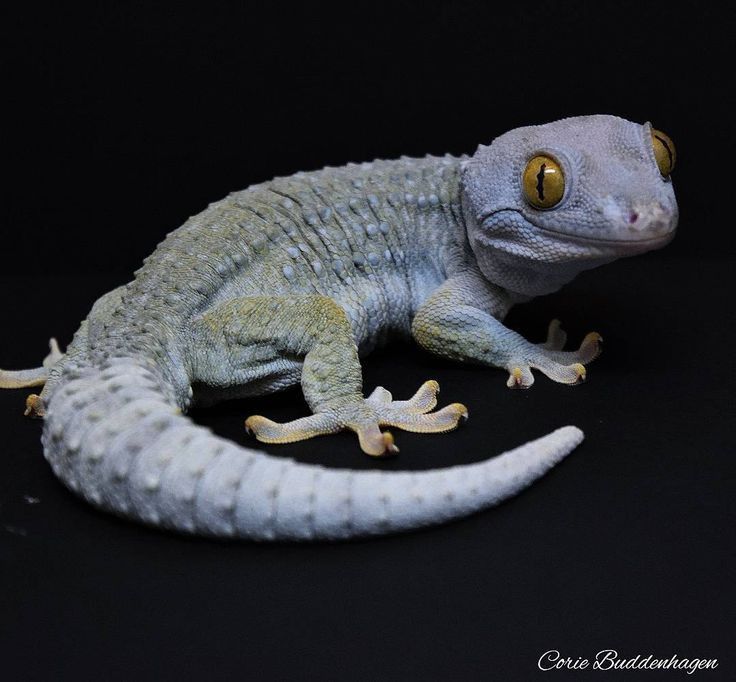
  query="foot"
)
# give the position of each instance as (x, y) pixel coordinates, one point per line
(25, 378)
(365, 417)
(34, 407)
(565, 367)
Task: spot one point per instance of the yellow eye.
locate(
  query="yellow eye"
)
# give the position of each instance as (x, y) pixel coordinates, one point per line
(543, 182)
(664, 152)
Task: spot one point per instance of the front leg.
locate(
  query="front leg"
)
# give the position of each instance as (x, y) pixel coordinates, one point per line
(459, 321)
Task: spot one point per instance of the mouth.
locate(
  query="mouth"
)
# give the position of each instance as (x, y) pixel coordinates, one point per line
(631, 241)
(634, 242)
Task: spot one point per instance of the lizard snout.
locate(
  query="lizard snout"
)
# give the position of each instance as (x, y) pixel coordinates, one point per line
(641, 220)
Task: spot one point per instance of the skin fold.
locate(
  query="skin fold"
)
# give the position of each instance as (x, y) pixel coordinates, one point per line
(295, 279)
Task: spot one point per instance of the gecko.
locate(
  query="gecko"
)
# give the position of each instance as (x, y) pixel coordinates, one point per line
(294, 280)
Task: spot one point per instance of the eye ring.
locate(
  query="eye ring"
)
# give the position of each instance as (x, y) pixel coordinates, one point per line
(665, 153)
(543, 182)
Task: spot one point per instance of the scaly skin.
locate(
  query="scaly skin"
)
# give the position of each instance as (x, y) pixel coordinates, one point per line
(291, 281)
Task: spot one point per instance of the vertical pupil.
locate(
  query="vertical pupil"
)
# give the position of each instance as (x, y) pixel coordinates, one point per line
(540, 181)
(663, 142)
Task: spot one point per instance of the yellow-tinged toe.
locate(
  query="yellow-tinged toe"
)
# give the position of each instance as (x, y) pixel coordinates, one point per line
(34, 406)
(250, 423)
(460, 410)
(592, 338)
(374, 442)
(451, 415)
(388, 443)
(424, 400)
(432, 386)
(257, 425)
(515, 378)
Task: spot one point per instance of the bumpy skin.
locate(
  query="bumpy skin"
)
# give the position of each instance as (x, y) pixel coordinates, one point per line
(290, 281)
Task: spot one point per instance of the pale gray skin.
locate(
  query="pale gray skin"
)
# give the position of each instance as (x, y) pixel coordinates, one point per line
(289, 280)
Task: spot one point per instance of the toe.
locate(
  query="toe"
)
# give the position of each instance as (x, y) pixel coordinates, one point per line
(380, 396)
(268, 431)
(590, 348)
(375, 443)
(563, 374)
(54, 355)
(441, 421)
(424, 400)
(556, 337)
(520, 376)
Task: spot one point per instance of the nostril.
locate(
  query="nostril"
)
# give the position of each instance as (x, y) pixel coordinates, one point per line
(633, 217)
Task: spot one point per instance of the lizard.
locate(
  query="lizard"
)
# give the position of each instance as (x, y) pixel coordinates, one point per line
(293, 280)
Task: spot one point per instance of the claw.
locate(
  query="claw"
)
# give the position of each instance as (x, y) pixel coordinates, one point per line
(388, 441)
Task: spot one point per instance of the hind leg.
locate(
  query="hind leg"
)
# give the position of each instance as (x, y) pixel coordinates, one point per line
(48, 374)
(242, 337)
(26, 378)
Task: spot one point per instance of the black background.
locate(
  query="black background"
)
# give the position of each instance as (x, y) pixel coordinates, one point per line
(121, 121)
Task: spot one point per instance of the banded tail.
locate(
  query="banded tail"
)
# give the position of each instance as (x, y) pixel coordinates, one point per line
(115, 436)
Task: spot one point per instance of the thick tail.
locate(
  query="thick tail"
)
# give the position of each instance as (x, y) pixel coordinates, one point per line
(113, 436)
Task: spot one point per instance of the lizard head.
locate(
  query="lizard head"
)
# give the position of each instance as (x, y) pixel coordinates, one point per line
(542, 203)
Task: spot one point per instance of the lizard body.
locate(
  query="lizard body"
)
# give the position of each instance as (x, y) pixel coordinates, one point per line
(291, 280)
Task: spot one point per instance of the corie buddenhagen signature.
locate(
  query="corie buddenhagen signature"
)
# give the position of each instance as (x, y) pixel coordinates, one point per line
(609, 659)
